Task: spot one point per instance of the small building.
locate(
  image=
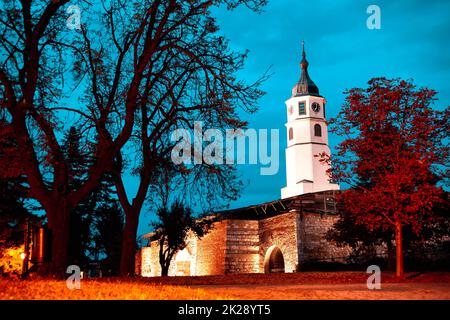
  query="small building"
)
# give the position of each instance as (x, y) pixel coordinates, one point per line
(278, 236)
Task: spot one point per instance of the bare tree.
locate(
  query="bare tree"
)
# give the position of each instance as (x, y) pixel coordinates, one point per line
(192, 79)
(111, 58)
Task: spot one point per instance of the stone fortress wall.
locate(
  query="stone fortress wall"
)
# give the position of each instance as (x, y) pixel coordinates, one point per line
(247, 246)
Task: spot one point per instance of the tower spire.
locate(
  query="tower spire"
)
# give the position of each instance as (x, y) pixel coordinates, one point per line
(305, 86)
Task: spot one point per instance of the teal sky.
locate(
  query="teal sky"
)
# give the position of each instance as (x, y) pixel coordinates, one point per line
(342, 52)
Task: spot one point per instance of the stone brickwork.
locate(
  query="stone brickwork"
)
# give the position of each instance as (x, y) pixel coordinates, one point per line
(246, 246)
(210, 259)
(312, 243)
(149, 266)
(242, 247)
(279, 231)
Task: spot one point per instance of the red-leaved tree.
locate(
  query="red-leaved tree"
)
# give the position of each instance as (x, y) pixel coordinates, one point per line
(394, 156)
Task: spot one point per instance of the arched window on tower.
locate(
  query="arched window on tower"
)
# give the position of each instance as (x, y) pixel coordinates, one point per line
(317, 130)
(291, 133)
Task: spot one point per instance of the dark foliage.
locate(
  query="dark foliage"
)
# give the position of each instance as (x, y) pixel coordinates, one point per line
(172, 230)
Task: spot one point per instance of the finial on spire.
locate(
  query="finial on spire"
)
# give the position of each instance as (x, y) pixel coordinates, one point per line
(304, 62)
(303, 48)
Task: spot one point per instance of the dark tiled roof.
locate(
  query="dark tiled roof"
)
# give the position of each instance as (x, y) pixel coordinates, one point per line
(319, 202)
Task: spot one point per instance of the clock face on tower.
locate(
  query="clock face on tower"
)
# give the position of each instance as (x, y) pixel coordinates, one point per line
(315, 107)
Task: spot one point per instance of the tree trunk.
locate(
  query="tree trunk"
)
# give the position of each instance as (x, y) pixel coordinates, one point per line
(399, 249)
(129, 243)
(165, 270)
(390, 256)
(60, 228)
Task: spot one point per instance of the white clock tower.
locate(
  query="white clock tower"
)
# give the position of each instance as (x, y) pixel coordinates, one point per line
(307, 134)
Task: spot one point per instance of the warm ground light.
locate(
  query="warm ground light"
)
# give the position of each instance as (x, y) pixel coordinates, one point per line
(307, 285)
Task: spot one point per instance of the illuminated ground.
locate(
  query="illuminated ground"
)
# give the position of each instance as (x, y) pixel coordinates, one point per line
(307, 285)
(100, 290)
(391, 291)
